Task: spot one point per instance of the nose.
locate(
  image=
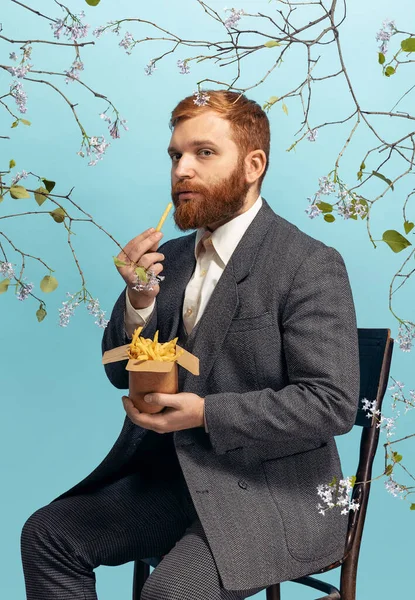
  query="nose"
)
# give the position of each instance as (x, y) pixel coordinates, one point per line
(183, 168)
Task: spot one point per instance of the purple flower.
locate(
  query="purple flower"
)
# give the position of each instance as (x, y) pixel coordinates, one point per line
(20, 96)
(234, 17)
(384, 34)
(150, 68)
(73, 72)
(201, 98)
(13, 56)
(127, 42)
(184, 69)
(24, 290)
(6, 269)
(312, 135)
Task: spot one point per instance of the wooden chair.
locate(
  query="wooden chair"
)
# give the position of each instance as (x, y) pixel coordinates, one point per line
(375, 353)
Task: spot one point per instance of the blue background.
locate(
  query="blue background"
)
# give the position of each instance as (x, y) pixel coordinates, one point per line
(59, 414)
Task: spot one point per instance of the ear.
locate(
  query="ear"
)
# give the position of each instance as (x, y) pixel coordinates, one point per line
(255, 163)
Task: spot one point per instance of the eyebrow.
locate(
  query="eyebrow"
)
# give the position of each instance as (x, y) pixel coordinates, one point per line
(194, 143)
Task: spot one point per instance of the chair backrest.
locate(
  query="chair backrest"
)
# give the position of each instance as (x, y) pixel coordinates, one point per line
(375, 355)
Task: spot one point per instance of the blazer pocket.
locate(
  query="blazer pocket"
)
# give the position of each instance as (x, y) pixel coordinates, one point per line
(292, 482)
(250, 323)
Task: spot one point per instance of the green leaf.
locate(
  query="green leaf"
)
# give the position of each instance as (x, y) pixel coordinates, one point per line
(333, 481)
(408, 226)
(119, 263)
(412, 507)
(385, 179)
(93, 2)
(48, 284)
(389, 71)
(4, 285)
(12, 164)
(49, 185)
(1, 198)
(408, 45)
(15, 123)
(141, 274)
(272, 44)
(329, 218)
(381, 58)
(41, 313)
(18, 191)
(58, 215)
(359, 175)
(388, 470)
(352, 480)
(41, 195)
(25, 122)
(395, 240)
(285, 108)
(325, 207)
(362, 166)
(397, 457)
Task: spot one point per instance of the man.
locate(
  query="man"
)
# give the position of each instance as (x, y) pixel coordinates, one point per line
(222, 482)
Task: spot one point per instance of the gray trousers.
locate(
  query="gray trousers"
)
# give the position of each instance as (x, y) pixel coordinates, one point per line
(136, 516)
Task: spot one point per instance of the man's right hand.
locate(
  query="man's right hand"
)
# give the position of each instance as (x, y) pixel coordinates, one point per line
(141, 250)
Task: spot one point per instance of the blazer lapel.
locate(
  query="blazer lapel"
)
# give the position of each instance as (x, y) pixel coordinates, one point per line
(206, 339)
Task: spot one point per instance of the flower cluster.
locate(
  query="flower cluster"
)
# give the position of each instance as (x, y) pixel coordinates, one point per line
(24, 66)
(386, 424)
(233, 18)
(113, 125)
(69, 306)
(6, 269)
(23, 175)
(394, 488)
(95, 310)
(73, 30)
(398, 396)
(349, 204)
(201, 98)
(183, 66)
(96, 148)
(150, 68)
(337, 494)
(312, 135)
(406, 335)
(73, 72)
(23, 290)
(127, 42)
(384, 34)
(68, 309)
(20, 96)
(153, 280)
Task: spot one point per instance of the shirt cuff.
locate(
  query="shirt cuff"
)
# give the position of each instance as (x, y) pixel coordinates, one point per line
(134, 317)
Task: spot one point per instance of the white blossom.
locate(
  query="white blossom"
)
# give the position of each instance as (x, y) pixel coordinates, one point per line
(183, 66)
(150, 68)
(201, 98)
(312, 135)
(7, 270)
(233, 18)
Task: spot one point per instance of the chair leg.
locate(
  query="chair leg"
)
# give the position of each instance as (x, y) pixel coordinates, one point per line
(274, 592)
(141, 573)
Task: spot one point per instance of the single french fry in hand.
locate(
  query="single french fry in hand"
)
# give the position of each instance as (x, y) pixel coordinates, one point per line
(164, 216)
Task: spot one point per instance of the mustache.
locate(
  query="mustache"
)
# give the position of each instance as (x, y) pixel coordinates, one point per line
(186, 187)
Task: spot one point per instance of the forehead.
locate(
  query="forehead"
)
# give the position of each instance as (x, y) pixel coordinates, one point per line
(206, 126)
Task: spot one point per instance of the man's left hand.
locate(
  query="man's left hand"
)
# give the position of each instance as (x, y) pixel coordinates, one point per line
(183, 411)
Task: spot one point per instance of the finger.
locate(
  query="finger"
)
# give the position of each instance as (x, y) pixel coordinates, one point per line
(140, 245)
(163, 400)
(150, 258)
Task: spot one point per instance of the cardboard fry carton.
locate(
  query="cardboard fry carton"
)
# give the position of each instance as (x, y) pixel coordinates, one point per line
(147, 376)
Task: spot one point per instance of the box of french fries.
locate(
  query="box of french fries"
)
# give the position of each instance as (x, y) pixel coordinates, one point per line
(152, 367)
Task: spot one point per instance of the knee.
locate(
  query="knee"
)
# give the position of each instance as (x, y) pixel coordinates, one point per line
(160, 587)
(38, 528)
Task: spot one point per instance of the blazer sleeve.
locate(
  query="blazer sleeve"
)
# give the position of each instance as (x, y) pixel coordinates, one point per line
(320, 345)
(115, 335)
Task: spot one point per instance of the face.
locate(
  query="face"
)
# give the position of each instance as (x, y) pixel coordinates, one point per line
(208, 180)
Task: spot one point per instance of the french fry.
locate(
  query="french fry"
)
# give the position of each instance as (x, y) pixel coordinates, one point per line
(164, 216)
(151, 349)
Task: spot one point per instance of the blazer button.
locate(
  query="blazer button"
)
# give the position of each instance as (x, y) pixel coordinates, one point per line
(242, 484)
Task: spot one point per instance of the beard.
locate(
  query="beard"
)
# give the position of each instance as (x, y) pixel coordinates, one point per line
(218, 202)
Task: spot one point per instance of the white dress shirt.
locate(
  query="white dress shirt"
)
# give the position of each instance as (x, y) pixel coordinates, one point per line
(209, 267)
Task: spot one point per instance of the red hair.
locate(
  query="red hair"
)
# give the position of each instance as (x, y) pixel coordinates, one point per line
(249, 123)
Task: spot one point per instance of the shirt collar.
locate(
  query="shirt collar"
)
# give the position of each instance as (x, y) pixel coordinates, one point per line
(226, 237)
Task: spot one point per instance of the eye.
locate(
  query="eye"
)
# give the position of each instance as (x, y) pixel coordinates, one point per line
(209, 151)
(173, 155)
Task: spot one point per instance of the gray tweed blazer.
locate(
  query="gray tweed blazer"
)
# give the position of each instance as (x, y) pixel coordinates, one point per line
(279, 371)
